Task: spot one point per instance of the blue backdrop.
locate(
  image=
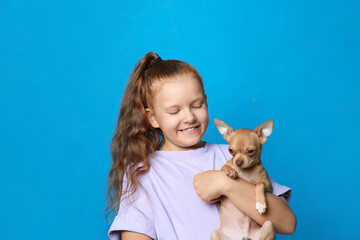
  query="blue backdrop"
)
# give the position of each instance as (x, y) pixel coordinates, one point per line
(64, 66)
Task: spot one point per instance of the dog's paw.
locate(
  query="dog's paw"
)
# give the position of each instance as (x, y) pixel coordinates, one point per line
(229, 171)
(232, 174)
(261, 207)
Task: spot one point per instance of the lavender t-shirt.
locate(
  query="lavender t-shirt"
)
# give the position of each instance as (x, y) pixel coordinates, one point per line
(170, 209)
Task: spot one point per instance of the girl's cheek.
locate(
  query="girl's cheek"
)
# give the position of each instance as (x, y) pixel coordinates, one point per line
(204, 113)
(173, 119)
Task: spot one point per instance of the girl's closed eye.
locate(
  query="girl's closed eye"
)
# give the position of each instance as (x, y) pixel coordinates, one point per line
(173, 112)
(197, 106)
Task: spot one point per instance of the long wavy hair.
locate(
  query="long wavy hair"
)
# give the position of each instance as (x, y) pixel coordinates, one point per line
(135, 139)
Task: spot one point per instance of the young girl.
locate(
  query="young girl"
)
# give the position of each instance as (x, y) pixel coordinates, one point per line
(165, 180)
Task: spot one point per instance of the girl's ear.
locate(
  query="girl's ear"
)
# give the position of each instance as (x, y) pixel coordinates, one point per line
(151, 118)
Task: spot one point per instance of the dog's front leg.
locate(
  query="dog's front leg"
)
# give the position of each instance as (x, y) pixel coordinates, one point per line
(228, 168)
(260, 197)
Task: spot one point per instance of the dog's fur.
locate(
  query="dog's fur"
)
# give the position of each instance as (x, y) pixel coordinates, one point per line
(245, 145)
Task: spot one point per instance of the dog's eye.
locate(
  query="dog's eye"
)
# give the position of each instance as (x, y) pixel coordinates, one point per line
(231, 151)
(251, 151)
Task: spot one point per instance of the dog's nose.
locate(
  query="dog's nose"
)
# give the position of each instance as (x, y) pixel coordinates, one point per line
(239, 163)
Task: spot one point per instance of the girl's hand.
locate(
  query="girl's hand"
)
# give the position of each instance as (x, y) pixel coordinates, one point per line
(211, 185)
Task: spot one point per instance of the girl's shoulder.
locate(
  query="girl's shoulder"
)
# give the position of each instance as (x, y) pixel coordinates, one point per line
(222, 149)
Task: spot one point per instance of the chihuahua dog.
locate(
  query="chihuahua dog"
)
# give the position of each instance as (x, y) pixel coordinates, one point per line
(245, 146)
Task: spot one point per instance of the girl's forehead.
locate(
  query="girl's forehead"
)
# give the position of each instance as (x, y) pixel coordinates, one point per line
(171, 83)
(177, 88)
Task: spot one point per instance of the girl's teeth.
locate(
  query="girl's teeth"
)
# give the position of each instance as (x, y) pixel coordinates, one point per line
(188, 130)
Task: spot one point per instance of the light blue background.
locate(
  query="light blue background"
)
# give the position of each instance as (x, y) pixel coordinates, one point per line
(64, 66)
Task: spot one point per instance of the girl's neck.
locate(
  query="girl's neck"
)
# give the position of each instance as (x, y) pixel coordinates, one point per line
(169, 148)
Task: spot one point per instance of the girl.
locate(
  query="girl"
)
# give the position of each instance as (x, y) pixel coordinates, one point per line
(164, 178)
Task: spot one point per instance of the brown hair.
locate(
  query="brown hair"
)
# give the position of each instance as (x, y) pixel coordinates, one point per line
(134, 138)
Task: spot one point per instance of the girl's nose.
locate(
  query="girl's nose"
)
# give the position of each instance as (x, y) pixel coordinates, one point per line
(189, 117)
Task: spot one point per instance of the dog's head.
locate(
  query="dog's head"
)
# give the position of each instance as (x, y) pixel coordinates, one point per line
(245, 144)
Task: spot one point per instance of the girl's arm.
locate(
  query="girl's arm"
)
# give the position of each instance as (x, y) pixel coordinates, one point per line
(127, 235)
(211, 185)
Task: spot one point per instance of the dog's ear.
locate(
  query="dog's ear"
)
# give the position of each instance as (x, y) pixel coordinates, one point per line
(224, 129)
(264, 130)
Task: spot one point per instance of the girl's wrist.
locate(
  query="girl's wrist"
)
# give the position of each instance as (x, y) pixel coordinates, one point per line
(230, 185)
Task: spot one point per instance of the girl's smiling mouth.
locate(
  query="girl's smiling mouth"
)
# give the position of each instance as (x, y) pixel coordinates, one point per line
(190, 130)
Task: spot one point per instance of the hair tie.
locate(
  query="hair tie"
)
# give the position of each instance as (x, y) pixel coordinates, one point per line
(155, 61)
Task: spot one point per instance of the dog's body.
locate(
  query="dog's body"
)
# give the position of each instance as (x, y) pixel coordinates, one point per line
(245, 145)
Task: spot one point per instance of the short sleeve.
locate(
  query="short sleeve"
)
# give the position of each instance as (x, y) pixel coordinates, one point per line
(135, 216)
(280, 190)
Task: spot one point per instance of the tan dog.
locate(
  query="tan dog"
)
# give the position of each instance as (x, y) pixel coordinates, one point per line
(245, 145)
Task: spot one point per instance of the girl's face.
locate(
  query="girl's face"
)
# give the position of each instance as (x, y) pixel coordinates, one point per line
(179, 109)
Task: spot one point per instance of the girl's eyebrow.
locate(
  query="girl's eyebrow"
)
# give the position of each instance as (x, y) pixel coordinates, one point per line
(172, 106)
(199, 99)
(202, 99)
(178, 106)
